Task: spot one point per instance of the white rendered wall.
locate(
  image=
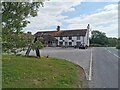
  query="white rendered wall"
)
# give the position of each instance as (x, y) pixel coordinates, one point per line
(74, 38)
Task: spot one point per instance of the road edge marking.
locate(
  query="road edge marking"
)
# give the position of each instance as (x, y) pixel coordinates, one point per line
(90, 69)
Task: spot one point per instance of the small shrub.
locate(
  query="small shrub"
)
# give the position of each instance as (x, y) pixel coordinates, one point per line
(96, 45)
(118, 46)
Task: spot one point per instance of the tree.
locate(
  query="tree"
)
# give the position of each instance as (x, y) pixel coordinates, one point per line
(99, 38)
(118, 44)
(14, 19)
(17, 42)
(14, 14)
(37, 45)
(112, 42)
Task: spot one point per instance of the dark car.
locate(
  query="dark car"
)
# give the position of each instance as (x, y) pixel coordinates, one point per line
(80, 46)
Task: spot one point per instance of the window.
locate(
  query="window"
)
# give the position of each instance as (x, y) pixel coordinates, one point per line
(70, 38)
(60, 43)
(61, 38)
(70, 43)
(78, 37)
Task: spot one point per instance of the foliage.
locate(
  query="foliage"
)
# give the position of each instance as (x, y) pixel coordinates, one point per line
(31, 72)
(14, 14)
(37, 44)
(14, 19)
(118, 44)
(99, 38)
(95, 45)
(17, 42)
(112, 42)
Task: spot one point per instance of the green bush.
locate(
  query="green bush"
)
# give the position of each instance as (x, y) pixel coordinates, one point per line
(96, 45)
(118, 46)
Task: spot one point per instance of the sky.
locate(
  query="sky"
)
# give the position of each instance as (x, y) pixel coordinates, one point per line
(76, 14)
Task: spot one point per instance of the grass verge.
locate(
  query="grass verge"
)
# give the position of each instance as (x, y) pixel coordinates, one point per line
(31, 72)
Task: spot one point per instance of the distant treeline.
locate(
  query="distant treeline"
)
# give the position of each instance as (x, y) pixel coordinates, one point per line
(99, 39)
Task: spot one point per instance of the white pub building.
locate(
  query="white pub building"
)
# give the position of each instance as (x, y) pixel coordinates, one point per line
(68, 38)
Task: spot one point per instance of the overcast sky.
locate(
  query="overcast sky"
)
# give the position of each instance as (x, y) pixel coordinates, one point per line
(76, 14)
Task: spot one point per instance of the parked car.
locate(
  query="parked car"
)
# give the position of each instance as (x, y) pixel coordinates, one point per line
(81, 46)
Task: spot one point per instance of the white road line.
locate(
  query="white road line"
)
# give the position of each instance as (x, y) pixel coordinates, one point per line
(116, 55)
(109, 51)
(90, 69)
(113, 54)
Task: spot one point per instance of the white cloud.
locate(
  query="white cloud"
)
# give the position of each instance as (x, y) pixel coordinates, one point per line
(50, 14)
(101, 0)
(111, 7)
(105, 20)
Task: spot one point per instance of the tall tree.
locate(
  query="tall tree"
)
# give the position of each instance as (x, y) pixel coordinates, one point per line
(15, 14)
(99, 38)
(14, 19)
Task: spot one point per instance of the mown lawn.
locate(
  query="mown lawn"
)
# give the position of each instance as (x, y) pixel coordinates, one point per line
(31, 72)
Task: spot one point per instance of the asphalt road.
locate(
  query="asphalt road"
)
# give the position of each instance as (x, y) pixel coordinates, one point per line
(104, 68)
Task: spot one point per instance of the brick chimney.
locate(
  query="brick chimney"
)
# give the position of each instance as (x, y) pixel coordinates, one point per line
(58, 28)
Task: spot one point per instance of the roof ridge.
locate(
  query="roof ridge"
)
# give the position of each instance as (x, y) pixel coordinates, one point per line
(63, 30)
(72, 32)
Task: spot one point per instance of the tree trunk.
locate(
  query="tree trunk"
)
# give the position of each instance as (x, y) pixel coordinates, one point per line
(28, 51)
(37, 53)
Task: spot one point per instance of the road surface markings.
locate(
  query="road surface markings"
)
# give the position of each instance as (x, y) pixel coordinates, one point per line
(112, 53)
(90, 69)
(109, 51)
(116, 55)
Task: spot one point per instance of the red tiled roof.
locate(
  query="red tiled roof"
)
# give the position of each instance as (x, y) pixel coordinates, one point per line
(75, 32)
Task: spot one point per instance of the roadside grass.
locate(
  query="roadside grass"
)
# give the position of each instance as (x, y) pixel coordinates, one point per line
(31, 72)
